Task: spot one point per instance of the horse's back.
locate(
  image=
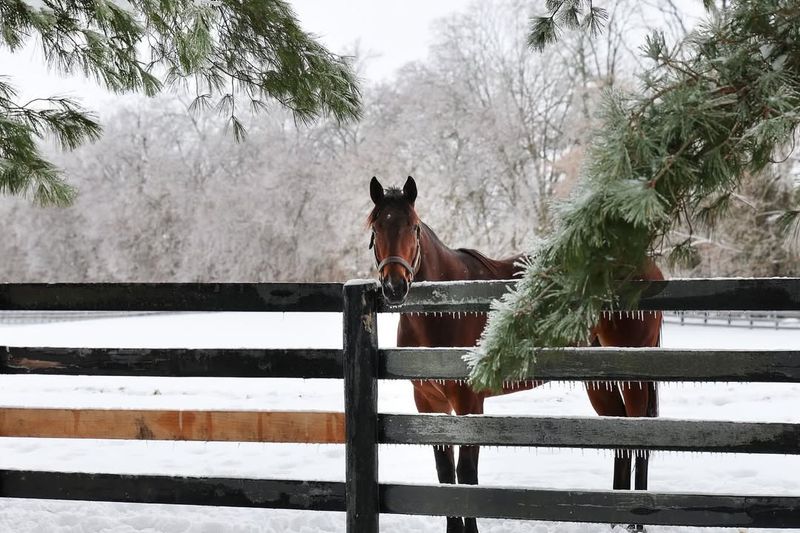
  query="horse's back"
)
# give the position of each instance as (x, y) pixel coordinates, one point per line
(484, 267)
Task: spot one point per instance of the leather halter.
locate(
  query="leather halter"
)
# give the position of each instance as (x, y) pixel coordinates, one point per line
(412, 269)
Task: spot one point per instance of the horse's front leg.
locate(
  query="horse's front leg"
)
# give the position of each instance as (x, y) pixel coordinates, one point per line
(468, 475)
(469, 404)
(429, 400)
(446, 471)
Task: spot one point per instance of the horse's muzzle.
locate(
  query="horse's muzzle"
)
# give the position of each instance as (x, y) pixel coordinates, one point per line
(394, 292)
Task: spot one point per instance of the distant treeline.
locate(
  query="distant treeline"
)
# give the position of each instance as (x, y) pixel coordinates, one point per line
(492, 132)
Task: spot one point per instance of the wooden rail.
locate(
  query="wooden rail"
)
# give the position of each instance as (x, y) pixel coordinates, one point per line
(608, 364)
(568, 364)
(488, 502)
(236, 426)
(277, 297)
(734, 294)
(610, 507)
(244, 363)
(231, 492)
(594, 432)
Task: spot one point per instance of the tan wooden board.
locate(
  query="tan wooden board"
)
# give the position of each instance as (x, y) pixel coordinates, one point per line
(235, 426)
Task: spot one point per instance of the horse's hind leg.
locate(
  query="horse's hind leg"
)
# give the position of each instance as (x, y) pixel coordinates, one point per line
(607, 401)
(445, 461)
(468, 465)
(642, 463)
(640, 401)
(468, 403)
(640, 479)
(468, 475)
(643, 460)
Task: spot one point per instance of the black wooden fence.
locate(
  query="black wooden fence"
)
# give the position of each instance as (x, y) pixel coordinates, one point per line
(264, 363)
(362, 365)
(575, 432)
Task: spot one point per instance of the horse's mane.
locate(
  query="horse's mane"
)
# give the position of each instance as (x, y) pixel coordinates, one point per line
(432, 234)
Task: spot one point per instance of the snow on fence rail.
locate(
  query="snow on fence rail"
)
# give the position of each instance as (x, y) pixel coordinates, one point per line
(363, 429)
(46, 317)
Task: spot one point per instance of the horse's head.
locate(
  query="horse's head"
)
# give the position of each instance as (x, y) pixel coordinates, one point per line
(395, 237)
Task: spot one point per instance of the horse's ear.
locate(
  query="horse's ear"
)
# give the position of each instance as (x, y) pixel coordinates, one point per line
(375, 190)
(410, 190)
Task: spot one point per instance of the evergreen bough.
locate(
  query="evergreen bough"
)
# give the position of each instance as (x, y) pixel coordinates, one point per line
(707, 115)
(222, 50)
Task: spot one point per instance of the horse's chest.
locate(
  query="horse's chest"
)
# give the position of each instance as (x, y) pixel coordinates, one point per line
(439, 331)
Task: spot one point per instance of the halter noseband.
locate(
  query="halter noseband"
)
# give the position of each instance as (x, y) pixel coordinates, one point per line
(412, 269)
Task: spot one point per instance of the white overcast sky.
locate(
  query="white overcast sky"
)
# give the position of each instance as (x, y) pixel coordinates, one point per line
(395, 31)
(392, 32)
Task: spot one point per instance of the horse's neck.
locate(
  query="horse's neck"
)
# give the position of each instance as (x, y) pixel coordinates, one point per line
(441, 263)
(434, 255)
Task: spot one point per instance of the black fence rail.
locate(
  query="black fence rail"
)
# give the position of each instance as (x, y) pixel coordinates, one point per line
(718, 294)
(173, 362)
(362, 364)
(264, 297)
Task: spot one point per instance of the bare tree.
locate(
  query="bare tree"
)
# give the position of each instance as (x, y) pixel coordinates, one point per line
(492, 133)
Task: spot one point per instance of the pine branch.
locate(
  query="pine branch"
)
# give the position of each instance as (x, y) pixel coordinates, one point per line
(702, 124)
(565, 14)
(229, 49)
(23, 169)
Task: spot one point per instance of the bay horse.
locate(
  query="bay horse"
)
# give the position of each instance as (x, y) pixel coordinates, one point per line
(407, 250)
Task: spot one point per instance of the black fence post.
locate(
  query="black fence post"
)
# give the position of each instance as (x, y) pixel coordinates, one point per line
(361, 405)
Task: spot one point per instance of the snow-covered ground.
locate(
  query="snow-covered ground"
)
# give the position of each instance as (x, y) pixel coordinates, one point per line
(679, 472)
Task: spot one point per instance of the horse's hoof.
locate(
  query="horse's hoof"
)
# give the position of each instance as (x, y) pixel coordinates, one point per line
(455, 525)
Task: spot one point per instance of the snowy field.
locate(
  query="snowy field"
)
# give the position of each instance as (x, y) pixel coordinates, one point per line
(670, 472)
